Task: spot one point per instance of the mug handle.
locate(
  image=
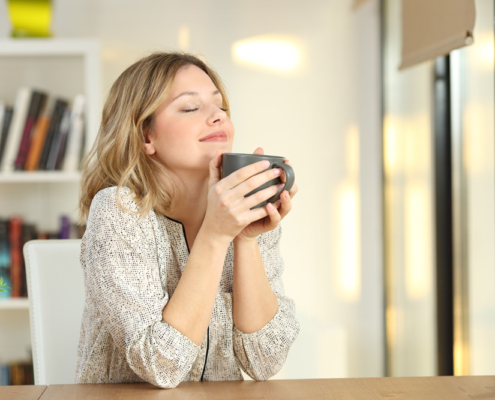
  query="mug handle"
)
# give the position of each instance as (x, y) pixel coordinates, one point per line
(289, 180)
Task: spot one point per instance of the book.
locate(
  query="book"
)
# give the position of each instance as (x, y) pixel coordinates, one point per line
(4, 129)
(58, 136)
(59, 153)
(15, 241)
(76, 135)
(2, 116)
(4, 375)
(5, 257)
(21, 373)
(14, 136)
(55, 120)
(38, 100)
(28, 233)
(64, 227)
(39, 137)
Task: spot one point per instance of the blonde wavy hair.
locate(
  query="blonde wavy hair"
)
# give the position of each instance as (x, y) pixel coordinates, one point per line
(117, 157)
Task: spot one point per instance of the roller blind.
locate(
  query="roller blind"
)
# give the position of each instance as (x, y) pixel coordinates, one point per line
(432, 28)
(358, 3)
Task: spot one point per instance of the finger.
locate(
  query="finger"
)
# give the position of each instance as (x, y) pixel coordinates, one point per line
(261, 196)
(259, 150)
(274, 215)
(257, 214)
(292, 192)
(244, 173)
(215, 167)
(256, 181)
(286, 204)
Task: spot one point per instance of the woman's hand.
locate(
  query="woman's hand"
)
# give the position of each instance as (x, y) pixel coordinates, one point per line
(228, 211)
(275, 212)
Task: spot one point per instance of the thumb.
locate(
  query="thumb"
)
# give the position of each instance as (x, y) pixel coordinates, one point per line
(259, 151)
(215, 167)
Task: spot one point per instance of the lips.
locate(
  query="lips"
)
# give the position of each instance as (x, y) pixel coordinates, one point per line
(214, 137)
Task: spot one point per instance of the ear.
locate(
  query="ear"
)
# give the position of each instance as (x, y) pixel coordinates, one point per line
(149, 147)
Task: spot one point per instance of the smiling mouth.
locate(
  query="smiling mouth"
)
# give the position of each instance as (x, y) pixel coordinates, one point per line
(215, 137)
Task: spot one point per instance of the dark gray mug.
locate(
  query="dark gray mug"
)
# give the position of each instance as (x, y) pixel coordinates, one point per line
(233, 161)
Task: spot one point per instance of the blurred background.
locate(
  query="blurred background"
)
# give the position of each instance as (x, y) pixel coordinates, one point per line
(389, 249)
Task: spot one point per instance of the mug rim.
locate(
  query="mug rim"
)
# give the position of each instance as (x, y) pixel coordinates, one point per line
(254, 155)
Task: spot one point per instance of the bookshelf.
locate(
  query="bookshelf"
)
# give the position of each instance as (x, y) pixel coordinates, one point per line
(14, 304)
(39, 176)
(61, 67)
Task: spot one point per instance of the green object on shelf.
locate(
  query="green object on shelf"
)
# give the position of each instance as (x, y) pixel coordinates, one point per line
(30, 18)
(3, 285)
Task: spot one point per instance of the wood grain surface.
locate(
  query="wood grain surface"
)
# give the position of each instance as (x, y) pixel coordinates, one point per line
(21, 392)
(434, 388)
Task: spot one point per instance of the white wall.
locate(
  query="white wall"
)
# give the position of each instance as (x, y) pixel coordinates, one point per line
(325, 118)
(409, 202)
(479, 169)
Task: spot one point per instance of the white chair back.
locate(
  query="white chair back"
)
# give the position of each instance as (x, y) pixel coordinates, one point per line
(56, 302)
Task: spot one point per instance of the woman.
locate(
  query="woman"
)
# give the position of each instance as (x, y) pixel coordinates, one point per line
(183, 279)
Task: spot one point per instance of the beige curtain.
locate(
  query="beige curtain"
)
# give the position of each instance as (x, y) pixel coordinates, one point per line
(432, 28)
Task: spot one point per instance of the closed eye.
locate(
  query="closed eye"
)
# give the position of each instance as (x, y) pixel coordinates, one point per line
(190, 110)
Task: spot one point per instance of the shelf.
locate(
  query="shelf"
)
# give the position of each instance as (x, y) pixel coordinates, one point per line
(47, 47)
(39, 176)
(21, 303)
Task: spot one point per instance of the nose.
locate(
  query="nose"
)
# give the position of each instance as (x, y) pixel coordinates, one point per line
(216, 115)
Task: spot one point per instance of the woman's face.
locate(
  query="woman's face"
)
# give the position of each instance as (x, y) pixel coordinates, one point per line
(181, 138)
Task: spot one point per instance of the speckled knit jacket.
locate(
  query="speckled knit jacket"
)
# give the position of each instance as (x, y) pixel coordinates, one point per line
(131, 269)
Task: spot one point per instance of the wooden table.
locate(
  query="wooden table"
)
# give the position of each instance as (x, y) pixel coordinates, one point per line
(21, 392)
(434, 388)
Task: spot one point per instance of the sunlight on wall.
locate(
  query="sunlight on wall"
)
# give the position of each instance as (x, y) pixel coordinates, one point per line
(183, 38)
(349, 249)
(483, 50)
(478, 117)
(418, 240)
(389, 128)
(277, 53)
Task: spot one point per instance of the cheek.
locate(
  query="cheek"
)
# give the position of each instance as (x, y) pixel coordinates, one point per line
(231, 129)
(173, 143)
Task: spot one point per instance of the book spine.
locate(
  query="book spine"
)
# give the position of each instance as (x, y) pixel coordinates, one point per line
(5, 258)
(64, 133)
(57, 140)
(36, 148)
(16, 128)
(4, 129)
(39, 137)
(28, 233)
(15, 239)
(4, 375)
(28, 125)
(55, 120)
(64, 227)
(3, 109)
(37, 104)
(76, 133)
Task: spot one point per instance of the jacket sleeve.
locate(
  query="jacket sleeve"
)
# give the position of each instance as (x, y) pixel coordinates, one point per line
(263, 353)
(122, 274)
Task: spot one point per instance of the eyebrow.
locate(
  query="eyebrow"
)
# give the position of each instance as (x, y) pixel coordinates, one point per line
(194, 94)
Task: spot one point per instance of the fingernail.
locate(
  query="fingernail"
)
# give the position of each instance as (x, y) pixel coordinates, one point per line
(278, 202)
(265, 164)
(280, 186)
(270, 206)
(276, 171)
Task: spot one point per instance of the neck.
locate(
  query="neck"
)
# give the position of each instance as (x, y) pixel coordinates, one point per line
(189, 207)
